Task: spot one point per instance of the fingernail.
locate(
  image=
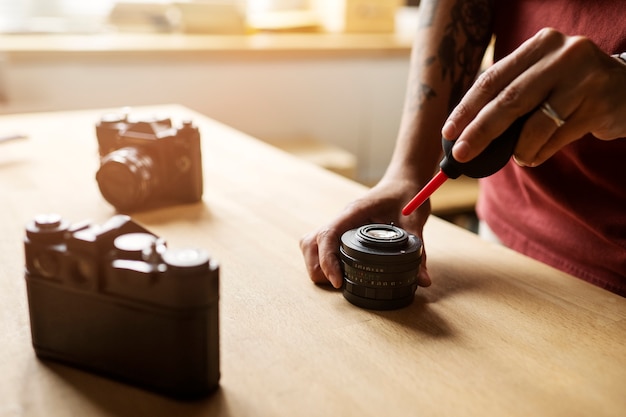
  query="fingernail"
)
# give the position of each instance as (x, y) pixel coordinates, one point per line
(460, 151)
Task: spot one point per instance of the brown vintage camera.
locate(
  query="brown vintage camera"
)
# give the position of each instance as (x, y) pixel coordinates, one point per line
(146, 163)
(115, 300)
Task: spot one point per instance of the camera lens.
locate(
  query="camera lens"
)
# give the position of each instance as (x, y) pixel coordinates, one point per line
(125, 178)
(380, 264)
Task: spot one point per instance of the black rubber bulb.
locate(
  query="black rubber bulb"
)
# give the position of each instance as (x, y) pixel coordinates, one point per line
(489, 161)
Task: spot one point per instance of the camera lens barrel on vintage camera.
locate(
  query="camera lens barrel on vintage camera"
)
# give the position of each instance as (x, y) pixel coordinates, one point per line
(380, 264)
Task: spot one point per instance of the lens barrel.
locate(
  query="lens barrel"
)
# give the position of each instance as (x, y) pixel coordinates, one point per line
(380, 265)
(125, 178)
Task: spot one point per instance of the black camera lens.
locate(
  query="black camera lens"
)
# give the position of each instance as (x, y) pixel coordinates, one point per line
(380, 265)
(125, 178)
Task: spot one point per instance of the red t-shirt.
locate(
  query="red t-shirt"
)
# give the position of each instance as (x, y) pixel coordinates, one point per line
(569, 212)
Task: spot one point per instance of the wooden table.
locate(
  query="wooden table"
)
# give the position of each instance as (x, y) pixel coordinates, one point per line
(497, 334)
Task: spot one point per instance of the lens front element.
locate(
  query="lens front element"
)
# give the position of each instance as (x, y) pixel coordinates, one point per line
(380, 264)
(125, 178)
(382, 236)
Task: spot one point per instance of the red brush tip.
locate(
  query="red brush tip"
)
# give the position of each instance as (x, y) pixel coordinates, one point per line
(425, 193)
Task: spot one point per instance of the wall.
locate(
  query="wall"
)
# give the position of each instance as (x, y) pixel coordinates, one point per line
(354, 102)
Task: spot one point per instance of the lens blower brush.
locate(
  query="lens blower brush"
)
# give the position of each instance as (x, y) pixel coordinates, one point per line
(488, 162)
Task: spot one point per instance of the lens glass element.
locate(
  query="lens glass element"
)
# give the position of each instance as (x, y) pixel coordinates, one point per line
(382, 234)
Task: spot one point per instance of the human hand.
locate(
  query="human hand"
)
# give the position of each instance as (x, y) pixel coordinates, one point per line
(382, 204)
(583, 86)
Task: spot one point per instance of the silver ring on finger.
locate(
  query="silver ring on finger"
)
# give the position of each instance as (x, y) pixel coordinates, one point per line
(547, 109)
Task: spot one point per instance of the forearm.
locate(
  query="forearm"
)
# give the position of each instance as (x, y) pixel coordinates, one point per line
(446, 55)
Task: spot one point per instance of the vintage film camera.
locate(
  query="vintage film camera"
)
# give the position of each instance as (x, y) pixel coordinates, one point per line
(113, 299)
(148, 163)
(380, 264)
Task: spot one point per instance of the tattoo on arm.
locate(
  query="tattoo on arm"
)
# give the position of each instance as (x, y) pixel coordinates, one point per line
(470, 21)
(460, 51)
(420, 92)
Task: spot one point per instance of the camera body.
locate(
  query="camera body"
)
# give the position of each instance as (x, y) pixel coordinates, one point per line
(113, 299)
(148, 163)
(380, 265)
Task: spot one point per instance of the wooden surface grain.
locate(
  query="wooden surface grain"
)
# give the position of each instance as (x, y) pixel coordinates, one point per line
(497, 334)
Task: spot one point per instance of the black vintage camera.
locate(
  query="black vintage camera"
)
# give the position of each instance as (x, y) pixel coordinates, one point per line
(113, 299)
(148, 163)
(380, 265)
